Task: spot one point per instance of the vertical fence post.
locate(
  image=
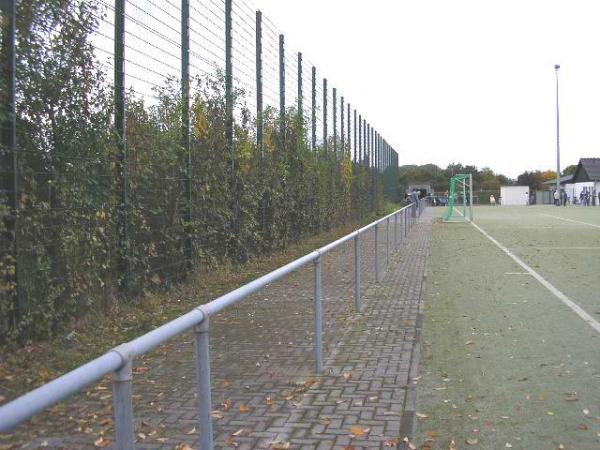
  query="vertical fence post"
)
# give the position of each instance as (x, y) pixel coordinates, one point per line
(123, 405)
(342, 135)
(356, 160)
(387, 243)
(119, 94)
(229, 84)
(357, 273)
(9, 157)
(325, 115)
(259, 87)
(405, 223)
(349, 142)
(282, 89)
(185, 125)
(201, 344)
(318, 316)
(377, 253)
(314, 108)
(334, 107)
(360, 155)
(300, 95)
(396, 230)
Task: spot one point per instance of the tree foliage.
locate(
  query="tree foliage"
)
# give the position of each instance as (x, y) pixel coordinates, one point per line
(245, 204)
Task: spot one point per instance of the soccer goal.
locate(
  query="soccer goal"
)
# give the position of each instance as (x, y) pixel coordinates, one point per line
(460, 199)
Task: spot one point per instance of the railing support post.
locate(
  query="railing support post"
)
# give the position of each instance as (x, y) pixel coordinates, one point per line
(123, 406)
(357, 273)
(387, 243)
(405, 223)
(396, 230)
(205, 439)
(377, 253)
(318, 317)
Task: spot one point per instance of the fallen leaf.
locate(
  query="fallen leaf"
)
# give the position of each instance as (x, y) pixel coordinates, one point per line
(470, 342)
(139, 370)
(226, 404)
(390, 443)
(586, 412)
(230, 442)
(101, 442)
(421, 415)
(245, 409)
(226, 383)
(472, 441)
(431, 435)
(277, 445)
(583, 427)
(324, 420)
(508, 445)
(142, 436)
(192, 431)
(180, 446)
(347, 376)
(550, 413)
(216, 414)
(359, 431)
(452, 445)
(239, 432)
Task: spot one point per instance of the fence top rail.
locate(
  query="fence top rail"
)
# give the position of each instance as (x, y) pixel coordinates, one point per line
(35, 401)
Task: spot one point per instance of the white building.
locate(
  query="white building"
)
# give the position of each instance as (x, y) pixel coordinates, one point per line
(514, 195)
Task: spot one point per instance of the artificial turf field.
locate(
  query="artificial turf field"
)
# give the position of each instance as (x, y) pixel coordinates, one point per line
(504, 362)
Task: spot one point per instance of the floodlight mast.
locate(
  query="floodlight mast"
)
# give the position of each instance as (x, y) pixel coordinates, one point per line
(556, 67)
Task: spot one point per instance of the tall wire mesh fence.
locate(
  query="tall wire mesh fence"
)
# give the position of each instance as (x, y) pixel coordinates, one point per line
(143, 139)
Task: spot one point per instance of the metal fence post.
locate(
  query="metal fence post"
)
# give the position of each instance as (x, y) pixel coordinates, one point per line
(300, 96)
(356, 160)
(201, 332)
(282, 89)
(396, 229)
(357, 273)
(185, 125)
(334, 107)
(9, 182)
(360, 154)
(123, 405)
(377, 253)
(348, 131)
(314, 108)
(119, 94)
(259, 87)
(318, 316)
(342, 134)
(387, 243)
(325, 115)
(229, 84)
(405, 223)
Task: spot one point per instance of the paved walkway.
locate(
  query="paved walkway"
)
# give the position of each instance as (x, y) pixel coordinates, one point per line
(264, 386)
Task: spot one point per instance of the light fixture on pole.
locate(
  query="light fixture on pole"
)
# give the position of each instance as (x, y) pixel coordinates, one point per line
(556, 67)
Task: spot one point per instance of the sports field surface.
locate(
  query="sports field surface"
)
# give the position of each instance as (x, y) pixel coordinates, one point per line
(510, 352)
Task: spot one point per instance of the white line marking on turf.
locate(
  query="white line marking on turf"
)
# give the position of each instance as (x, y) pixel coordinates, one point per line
(562, 297)
(516, 273)
(571, 220)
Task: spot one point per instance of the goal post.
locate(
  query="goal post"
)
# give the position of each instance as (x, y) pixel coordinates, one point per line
(460, 199)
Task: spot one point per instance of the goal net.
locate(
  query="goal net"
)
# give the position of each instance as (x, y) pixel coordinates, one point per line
(460, 199)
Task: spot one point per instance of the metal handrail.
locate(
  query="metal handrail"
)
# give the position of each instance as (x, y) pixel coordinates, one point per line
(118, 360)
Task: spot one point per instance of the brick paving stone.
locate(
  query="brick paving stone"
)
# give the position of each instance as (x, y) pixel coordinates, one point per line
(263, 349)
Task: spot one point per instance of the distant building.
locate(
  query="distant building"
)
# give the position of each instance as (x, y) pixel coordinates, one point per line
(585, 179)
(424, 189)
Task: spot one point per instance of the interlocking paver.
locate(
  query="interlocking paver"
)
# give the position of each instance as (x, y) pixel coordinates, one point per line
(262, 357)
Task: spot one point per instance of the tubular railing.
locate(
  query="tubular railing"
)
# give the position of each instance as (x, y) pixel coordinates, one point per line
(119, 360)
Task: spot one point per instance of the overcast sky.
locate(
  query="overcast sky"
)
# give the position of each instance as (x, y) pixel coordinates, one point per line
(468, 81)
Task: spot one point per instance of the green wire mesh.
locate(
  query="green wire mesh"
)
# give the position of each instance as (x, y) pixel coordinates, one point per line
(452, 214)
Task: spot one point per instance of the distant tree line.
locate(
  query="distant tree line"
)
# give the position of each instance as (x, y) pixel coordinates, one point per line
(484, 179)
